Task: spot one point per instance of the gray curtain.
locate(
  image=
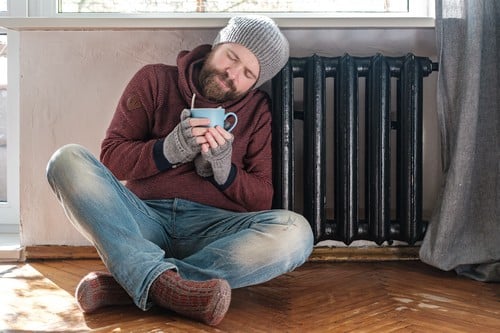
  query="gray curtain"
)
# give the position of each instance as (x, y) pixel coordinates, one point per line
(464, 232)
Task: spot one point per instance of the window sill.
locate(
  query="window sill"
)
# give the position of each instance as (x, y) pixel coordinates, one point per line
(194, 21)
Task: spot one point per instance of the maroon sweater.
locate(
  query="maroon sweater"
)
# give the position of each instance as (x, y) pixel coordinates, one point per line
(148, 111)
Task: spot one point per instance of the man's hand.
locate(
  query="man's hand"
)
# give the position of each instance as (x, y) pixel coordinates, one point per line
(202, 166)
(217, 150)
(184, 142)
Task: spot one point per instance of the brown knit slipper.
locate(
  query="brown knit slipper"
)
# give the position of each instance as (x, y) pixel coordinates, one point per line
(206, 301)
(99, 289)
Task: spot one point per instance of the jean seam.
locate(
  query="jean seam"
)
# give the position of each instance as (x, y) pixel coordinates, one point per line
(174, 218)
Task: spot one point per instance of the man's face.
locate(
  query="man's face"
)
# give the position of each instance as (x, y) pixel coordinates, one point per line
(229, 72)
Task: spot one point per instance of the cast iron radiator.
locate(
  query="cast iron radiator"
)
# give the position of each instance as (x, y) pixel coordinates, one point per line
(375, 75)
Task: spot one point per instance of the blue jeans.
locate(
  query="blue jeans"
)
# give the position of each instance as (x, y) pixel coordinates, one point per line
(140, 239)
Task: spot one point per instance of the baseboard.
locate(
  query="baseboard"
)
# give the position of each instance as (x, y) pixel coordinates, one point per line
(320, 254)
(41, 252)
(383, 253)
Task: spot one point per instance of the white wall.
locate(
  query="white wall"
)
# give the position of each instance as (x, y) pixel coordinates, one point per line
(71, 81)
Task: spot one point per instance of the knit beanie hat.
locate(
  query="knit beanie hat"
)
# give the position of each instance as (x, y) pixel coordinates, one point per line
(262, 37)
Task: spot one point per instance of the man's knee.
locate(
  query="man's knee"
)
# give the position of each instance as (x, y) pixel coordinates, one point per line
(66, 162)
(297, 232)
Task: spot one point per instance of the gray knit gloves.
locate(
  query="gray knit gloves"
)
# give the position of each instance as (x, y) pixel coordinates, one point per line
(180, 145)
(216, 162)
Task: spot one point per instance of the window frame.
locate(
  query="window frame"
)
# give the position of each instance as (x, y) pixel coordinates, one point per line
(10, 218)
(10, 210)
(417, 8)
(43, 14)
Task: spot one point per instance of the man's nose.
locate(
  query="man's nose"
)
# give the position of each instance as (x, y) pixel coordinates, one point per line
(233, 72)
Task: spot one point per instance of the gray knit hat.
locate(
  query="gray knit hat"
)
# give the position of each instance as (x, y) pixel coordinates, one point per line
(262, 37)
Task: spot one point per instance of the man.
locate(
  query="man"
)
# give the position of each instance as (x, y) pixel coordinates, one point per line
(193, 219)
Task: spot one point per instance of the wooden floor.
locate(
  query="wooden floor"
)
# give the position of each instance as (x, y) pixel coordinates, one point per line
(404, 296)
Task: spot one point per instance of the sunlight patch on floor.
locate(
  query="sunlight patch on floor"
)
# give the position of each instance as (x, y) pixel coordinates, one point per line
(32, 302)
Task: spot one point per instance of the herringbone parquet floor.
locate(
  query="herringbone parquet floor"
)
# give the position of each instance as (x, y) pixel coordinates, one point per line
(404, 296)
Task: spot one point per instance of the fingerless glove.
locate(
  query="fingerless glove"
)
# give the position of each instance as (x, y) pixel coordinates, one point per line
(180, 145)
(220, 160)
(202, 166)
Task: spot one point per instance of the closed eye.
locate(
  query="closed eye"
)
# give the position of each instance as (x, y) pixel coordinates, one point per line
(234, 58)
(250, 75)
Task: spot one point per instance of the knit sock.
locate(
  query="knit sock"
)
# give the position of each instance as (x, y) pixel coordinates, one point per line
(206, 301)
(99, 289)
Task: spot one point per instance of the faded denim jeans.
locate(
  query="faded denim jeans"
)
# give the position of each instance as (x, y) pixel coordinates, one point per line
(140, 239)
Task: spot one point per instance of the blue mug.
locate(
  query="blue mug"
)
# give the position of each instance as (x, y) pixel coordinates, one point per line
(217, 117)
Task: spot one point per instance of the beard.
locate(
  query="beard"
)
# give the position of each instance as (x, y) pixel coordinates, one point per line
(211, 89)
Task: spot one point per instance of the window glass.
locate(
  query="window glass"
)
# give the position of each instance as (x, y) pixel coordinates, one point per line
(213, 6)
